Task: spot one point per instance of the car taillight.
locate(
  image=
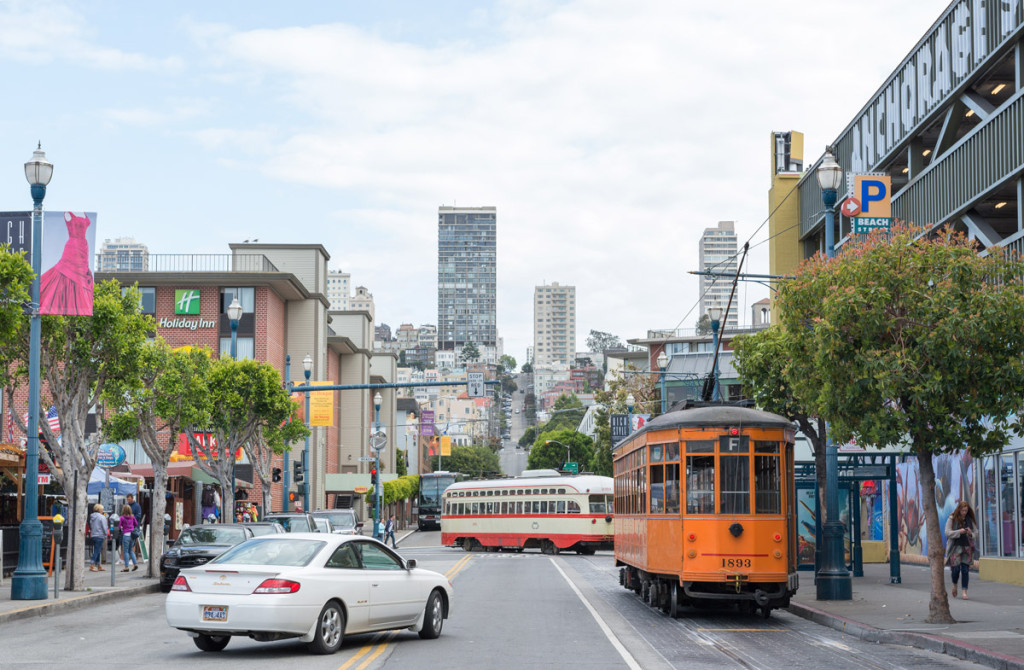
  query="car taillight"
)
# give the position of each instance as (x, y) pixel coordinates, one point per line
(180, 584)
(277, 586)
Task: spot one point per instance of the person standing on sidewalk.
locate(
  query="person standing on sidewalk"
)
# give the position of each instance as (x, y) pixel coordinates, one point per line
(389, 531)
(98, 530)
(128, 524)
(960, 543)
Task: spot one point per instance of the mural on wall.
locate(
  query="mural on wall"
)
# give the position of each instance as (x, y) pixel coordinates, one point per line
(954, 481)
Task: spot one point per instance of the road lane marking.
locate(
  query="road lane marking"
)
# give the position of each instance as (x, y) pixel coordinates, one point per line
(374, 655)
(749, 630)
(626, 656)
(364, 650)
(455, 569)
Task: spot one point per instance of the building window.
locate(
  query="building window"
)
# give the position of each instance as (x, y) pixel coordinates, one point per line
(246, 348)
(147, 299)
(246, 296)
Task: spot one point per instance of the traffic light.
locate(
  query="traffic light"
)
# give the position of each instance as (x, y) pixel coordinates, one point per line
(275, 475)
(298, 474)
(293, 496)
(373, 472)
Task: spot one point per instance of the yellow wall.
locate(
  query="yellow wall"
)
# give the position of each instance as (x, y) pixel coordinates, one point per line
(1005, 570)
(784, 248)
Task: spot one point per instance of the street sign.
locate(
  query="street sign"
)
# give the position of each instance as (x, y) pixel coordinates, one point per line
(367, 459)
(475, 385)
(378, 441)
(873, 194)
(571, 467)
(851, 207)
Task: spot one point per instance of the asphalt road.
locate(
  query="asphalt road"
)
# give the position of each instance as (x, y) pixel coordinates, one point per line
(509, 611)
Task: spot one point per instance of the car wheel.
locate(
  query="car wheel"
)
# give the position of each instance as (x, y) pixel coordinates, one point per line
(433, 617)
(165, 588)
(212, 642)
(330, 629)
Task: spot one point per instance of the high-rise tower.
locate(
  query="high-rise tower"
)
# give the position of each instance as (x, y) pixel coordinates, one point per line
(718, 254)
(467, 279)
(554, 324)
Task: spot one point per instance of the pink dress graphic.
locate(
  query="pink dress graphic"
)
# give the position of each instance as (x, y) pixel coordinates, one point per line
(66, 288)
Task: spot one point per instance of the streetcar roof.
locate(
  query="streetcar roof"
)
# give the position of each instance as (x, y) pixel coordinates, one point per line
(580, 483)
(716, 415)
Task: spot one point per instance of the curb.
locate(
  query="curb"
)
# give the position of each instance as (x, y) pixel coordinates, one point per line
(934, 643)
(76, 602)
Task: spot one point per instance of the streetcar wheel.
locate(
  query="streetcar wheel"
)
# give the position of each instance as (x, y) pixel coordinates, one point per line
(766, 612)
(467, 544)
(673, 600)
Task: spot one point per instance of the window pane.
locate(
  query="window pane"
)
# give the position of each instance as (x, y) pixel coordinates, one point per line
(657, 488)
(735, 485)
(574, 507)
(672, 451)
(766, 446)
(700, 447)
(656, 452)
(245, 346)
(700, 483)
(991, 511)
(543, 506)
(597, 505)
(561, 507)
(377, 558)
(1009, 545)
(767, 485)
(672, 488)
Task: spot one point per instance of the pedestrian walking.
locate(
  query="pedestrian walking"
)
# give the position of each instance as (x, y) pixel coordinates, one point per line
(128, 524)
(389, 531)
(137, 513)
(98, 531)
(960, 548)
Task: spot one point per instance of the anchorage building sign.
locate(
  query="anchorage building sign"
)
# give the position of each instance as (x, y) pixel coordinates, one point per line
(16, 231)
(959, 43)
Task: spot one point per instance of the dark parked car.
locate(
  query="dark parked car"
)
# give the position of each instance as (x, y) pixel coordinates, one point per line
(345, 521)
(294, 522)
(197, 545)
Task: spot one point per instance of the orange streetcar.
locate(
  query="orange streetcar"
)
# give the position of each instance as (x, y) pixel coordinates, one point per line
(705, 509)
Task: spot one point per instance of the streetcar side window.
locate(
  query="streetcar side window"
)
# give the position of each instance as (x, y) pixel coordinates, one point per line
(543, 506)
(656, 453)
(700, 483)
(657, 487)
(766, 446)
(672, 451)
(476, 508)
(560, 507)
(735, 484)
(598, 505)
(574, 507)
(767, 485)
(504, 507)
(672, 488)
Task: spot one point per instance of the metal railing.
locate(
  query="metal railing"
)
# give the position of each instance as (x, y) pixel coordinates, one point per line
(208, 263)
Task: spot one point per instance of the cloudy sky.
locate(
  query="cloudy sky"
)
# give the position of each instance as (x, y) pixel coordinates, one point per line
(608, 133)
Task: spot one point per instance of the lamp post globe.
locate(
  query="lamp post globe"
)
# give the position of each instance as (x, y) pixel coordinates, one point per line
(29, 579)
(830, 178)
(662, 364)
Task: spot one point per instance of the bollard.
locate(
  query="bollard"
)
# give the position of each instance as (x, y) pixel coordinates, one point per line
(58, 537)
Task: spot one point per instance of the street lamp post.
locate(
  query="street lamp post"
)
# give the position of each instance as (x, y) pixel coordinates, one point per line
(376, 479)
(630, 401)
(568, 454)
(307, 367)
(715, 315)
(833, 580)
(287, 456)
(29, 580)
(234, 314)
(662, 364)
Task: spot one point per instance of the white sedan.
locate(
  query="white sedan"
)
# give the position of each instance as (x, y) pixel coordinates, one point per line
(312, 586)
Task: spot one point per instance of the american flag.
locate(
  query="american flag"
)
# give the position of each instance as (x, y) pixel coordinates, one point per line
(10, 425)
(51, 418)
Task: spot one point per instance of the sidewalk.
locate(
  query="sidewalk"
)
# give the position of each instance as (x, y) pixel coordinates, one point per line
(990, 629)
(97, 589)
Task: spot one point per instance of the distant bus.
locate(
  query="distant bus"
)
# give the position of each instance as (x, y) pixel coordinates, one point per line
(432, 488)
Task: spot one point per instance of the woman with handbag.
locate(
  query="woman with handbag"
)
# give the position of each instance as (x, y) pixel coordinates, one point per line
(960, 543)
(97, 535)
(128, 524)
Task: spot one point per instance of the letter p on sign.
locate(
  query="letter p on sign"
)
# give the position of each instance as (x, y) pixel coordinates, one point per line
(874, 194)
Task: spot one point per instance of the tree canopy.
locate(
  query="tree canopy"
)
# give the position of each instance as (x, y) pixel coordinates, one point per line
(601, 341)
(552, 448)
(913, 339)
(470, 352)
(473, 460)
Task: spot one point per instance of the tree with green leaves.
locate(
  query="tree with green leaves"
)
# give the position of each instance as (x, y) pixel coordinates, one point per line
(552, 448)
(769, 372)
(80, 356)
(15, 292)
(507, 363)
(271, 440)
(527, 368)
(600, 341)
(704, 325)
(915, 339)
(243, 401)
(470, 353)
(474, 461)
(603, 463)
(152, 408)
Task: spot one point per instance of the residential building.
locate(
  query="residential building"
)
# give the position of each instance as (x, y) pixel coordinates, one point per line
(339, 290)
(123, 254)
(362, 301)
(554, 324)
(467, 280)
(717, 253)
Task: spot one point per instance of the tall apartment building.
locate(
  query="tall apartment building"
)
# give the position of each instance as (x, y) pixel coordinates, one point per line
(554, 324)
(718, 254)
(123, 254)
(339, 290)
(467, 279)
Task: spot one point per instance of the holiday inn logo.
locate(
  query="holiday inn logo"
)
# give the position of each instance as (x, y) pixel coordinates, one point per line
(186, 301)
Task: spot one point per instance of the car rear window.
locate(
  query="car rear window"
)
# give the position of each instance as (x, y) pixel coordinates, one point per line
(272, 551)
(210, 534)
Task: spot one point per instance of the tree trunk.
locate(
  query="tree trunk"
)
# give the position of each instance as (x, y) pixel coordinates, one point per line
(75, 578)
(938, 604)
(158, 509)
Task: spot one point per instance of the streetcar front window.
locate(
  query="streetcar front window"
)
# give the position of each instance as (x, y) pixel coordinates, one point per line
(767, 485)
(700, 483)
(735, 484)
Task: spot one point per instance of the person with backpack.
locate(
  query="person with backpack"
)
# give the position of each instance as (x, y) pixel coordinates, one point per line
(98, 530)
(208, 503)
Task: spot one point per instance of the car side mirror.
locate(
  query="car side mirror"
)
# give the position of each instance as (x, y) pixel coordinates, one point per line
(410, 564)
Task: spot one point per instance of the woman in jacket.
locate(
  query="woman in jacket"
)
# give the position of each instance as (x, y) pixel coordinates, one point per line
(128, 523)
(960, 529)
(98, 530)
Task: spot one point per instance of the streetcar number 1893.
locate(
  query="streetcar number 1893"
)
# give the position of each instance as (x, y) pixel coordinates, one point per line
(735, 562)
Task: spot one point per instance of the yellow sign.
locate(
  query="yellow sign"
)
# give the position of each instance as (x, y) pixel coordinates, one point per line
(321, 406)
(361, 489)
(446, 445)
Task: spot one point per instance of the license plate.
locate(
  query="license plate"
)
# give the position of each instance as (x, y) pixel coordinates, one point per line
(215, 613)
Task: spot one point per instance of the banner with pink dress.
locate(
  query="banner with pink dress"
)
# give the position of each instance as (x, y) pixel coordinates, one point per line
(65, 286)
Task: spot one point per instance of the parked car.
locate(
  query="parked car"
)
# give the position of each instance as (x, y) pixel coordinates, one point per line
(259, 528)
(197, 545)
(323, 524)
(294, 522)
(313, 586)
(345, 521)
